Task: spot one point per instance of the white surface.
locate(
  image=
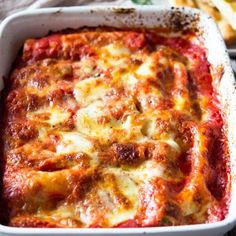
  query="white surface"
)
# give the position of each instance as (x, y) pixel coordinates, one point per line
(17, 28)
(45, 3)
(8, 7)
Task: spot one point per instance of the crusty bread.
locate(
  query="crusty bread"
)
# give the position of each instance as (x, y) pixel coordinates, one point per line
(227, 31)
(187, 3)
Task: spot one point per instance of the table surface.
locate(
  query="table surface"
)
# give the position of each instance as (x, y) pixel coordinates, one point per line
(10, 6)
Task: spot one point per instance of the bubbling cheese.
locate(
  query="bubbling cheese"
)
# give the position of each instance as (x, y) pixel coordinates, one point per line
(50, 115)
(73, 142)
(109, 128)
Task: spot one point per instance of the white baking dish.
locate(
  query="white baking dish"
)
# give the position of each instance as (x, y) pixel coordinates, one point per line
(35, 23)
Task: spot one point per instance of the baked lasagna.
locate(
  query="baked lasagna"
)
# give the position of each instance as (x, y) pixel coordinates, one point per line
(106, 127)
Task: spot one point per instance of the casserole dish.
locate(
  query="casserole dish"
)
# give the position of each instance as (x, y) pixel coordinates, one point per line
(176, 19)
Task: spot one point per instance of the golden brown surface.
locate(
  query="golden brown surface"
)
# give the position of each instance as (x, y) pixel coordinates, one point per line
(111, 128)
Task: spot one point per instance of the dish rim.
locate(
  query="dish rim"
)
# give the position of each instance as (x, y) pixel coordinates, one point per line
(228, 222)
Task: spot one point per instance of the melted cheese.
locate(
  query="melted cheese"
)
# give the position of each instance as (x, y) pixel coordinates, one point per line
(50, 115)
(89, 90)
(146, 69)
(145, 172)
(115, 50)
(73, 142)
(87, 121)
(129, 182)
(113, 55)
(100, 142)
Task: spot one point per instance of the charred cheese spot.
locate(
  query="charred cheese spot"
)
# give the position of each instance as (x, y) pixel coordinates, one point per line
(130, 154)
(126, 153)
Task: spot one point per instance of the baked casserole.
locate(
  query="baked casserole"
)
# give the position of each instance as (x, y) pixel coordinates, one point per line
(106, 127)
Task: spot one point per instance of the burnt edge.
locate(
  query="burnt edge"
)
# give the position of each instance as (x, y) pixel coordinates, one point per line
(177, 19)
(180, 21)
(120, 10)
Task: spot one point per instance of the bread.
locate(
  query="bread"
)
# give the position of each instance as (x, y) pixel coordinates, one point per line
(226, 29)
